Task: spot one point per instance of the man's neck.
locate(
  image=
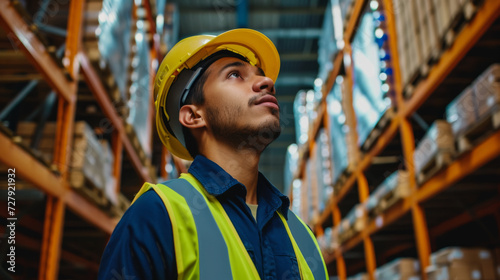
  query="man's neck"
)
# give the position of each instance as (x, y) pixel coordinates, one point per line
(241, 164)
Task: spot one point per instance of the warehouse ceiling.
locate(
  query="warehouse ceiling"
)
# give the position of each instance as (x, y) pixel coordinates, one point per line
(293, 26)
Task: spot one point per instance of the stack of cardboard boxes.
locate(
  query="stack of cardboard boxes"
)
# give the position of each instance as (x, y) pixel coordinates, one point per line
(456, 263)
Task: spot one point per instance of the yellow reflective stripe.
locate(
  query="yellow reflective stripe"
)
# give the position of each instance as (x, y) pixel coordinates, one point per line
(186, 247)
(242, 266)
(315, 242)
(305, 271)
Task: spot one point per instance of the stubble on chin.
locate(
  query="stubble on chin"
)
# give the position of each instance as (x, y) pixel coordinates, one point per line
(253, 139)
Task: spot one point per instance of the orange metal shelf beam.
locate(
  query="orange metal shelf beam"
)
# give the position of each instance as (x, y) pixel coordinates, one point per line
(490, 207)
(30, 169)
(470, 34)
(18, 30)
(465, 165)
(381, 143)
(90, 212)
(102, 98)
(40, 176)
(354, 19)
(337, 63)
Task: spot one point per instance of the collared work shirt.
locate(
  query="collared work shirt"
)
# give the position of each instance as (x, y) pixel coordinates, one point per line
(141, 246)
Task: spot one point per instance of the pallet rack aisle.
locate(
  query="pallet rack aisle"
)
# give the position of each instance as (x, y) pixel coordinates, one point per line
(48, 234)
(415, 225)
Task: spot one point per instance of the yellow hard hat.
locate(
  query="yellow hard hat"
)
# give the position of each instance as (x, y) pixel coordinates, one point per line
(176, 75)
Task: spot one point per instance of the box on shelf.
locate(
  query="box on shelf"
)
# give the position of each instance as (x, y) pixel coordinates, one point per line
(291, 166)
(496, 256)
(107, 169)
(325, 241)
(44, 149)
(342, 151)
(327, 43)
(394, 188)
(91, 160)
(487, 91)
(371, 90)
(461, 112)
(359, 276)
(399, 269)
(114, 39)
(297, 186)
(434, 151)
(138, 84)
(354, 222)
(323, 167)
(461, 263)
(476, 111)
(301, 106)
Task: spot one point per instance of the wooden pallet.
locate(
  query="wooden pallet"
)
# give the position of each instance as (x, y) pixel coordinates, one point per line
(379, 128)
(438, 162)
(479, 131)
(81, 183)
(119, 209)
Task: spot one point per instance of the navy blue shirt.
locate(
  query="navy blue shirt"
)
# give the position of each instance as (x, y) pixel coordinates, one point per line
(142, 247)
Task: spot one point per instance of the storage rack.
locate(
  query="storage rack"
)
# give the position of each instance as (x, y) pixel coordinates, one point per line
(452, 64)
(54, 183)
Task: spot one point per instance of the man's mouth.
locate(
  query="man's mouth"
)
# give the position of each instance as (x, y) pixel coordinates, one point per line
(268, 101)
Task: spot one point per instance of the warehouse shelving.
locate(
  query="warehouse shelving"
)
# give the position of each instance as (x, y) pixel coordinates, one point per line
(53, 181)
(423, 229)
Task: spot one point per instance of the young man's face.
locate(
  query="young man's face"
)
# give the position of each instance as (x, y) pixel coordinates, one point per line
(240, 105)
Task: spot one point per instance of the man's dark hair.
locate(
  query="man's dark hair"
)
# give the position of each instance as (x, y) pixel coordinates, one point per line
(196, 97)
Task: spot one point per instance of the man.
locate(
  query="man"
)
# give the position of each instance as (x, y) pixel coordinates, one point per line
(223, 220)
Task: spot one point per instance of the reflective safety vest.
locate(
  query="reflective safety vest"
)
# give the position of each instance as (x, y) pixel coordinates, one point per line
(206, 243)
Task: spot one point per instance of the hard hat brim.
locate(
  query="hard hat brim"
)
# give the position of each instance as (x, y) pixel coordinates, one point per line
(261, 46)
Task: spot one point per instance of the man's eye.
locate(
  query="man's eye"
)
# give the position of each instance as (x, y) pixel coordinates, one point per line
(234, 75)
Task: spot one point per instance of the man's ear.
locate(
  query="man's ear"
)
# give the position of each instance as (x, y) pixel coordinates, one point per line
(190, 117)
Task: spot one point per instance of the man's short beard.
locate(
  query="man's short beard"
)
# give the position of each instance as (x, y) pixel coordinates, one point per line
(254, 139)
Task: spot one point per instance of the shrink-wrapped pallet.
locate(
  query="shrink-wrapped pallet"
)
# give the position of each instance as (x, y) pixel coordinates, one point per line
(461, 112)
(399, 269)
(327, 43)
(291, 165)
(394, 188)
(369, 97)
(338, 143)
(435, 150)
(323, 167)
(353, 222)
(487, 91)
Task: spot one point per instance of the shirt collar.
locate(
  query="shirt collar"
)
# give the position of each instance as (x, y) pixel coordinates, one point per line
(217, 181)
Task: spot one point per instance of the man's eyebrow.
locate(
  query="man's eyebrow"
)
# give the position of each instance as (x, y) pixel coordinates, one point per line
(232, 64)
(261, 72)
(240, 64)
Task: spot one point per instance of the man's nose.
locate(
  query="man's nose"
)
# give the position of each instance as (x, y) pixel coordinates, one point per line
(261, 83)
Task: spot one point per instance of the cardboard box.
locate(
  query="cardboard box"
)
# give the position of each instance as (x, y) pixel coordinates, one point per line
(461, 112)
(401, 269)
(439, 138)
(487, 90)
(464, 263)
(496, 257)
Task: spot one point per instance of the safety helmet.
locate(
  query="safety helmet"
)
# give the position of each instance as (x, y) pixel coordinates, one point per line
(179, 70)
